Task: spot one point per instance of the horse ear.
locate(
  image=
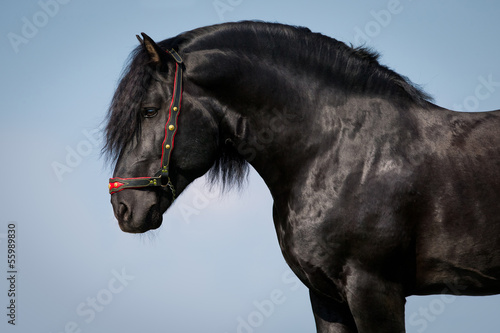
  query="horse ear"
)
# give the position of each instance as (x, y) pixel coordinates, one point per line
(158, 56)
(140, 40)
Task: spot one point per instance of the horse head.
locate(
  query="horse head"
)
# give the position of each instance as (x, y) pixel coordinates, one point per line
(142, 125)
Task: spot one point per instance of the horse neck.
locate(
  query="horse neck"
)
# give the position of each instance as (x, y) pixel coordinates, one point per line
(280, 118)
(267, 115)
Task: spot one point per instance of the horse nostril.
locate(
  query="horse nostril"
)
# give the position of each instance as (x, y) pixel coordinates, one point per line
(123, 212)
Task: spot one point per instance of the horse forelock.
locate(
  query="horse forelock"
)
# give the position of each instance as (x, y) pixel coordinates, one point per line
(123, 119)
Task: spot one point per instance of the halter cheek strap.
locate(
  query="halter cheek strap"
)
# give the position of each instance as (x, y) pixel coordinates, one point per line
(161, 178)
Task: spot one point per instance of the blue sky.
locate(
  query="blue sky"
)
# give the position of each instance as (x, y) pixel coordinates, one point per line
(219, 268)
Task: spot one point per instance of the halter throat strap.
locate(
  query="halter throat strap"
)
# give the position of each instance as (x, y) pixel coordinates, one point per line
(161, 178)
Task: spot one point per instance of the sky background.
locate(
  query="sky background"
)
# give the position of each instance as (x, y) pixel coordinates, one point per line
(217, 268)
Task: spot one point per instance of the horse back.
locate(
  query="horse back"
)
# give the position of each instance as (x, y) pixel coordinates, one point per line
(457, 237)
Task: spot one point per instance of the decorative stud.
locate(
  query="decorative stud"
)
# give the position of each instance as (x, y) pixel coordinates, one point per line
(175, 108)
(167, 147)
(171, 127)
(114, 185)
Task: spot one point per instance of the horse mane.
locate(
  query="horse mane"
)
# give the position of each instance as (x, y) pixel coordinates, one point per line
(356, 68)
(230, 169)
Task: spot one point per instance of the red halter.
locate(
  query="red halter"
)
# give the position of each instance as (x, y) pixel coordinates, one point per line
(161, 178)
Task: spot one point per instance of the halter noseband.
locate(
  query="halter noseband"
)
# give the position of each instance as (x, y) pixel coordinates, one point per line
(161, 178)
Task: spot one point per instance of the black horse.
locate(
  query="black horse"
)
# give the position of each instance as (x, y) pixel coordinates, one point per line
(378, 193)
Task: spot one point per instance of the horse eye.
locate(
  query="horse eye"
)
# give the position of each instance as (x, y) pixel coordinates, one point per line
(149, 112)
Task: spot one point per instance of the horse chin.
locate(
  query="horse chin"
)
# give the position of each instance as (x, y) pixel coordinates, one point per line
(137, 211)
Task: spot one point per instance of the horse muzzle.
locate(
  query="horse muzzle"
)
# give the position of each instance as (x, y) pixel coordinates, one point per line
(137, 211)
